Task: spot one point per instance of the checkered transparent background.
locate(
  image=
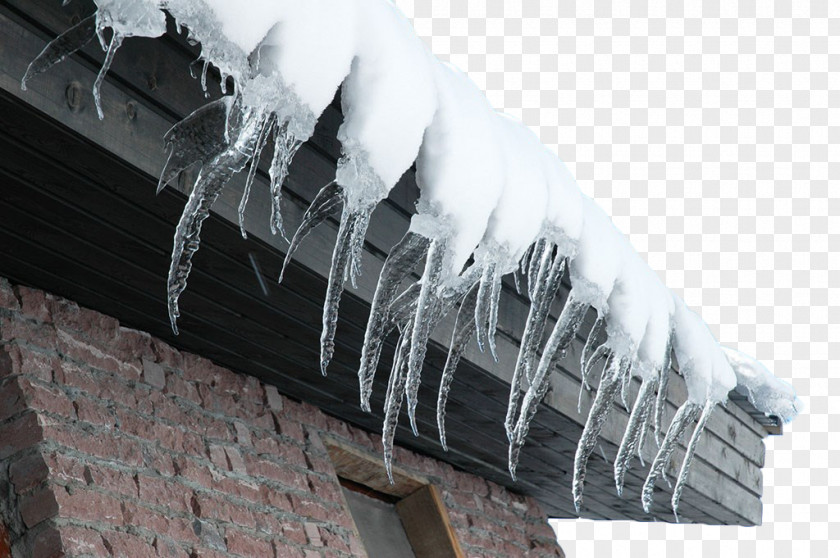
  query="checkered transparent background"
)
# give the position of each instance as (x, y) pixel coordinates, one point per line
(710, 131)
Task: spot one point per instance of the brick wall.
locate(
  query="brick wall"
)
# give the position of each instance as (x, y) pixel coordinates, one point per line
(113, 443)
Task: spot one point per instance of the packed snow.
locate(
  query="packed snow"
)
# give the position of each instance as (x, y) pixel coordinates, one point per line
(493, 201)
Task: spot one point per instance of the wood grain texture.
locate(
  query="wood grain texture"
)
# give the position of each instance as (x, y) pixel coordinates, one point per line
(426, 523)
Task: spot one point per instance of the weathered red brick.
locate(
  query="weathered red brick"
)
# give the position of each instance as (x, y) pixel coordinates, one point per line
(33, 303)
(282, 550)
(22, 432)
(33, 362)
(153, 374)
(28, 472)
(79, 541)
(273, 399)
(45, 542)
(12, 400)
(37, 506)
(125, 545)
(243, 544)
(86, 505)
(8, 298)
(39, 334)
(295, 533)
(164, 493)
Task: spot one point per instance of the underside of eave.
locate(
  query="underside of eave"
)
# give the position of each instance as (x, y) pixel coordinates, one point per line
(84, 223)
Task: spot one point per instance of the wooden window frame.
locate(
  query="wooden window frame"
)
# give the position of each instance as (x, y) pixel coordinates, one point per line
(419, 503)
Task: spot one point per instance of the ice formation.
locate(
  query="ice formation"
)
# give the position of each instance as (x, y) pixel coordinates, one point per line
(493, 201)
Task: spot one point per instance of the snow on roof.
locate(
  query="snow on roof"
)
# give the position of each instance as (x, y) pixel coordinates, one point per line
(492, 199)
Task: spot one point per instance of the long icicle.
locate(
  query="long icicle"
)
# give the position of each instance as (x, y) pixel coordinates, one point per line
(646, 419)
(689, 456)
(493, 317)
(262, 138)
(537, 256)
(551, 273)
(686, 414)
(562, 334)
(285, 148)
(599, 353)
(61, 47)
(357, 242)
(424, 321)
(662, 395)
(394, 397)
(461, 334)
(591, 341)
(598, 414)
(400, 262)
(633, 432)
(552, 279)
(198, 139)
(335, 286)
(207, 188)
(326, 203)
(482, 308)
(116, 41)
(404, 306)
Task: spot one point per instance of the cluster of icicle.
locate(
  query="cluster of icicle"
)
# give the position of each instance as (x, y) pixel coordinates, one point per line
(494, 201)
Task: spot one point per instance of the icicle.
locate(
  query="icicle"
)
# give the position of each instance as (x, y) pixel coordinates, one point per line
(335, 286)
(204, 76)
(516, 282)
(564, 330)
(689, 456)
(424, 322)
(116, 41)
(591, 340)
(207, 188)
(61, 47)
(400, 262)
(521, 269)
(633, 432)
(600, 352)
(646, 415)
(262, 138)
(482, 309)
(493, 318)
(545, 295)
(285, 148)
(198, 138)
(625, 390)
(598, 414)
(662, 396)
(394, 397)
(464, 325)
(326, 202)
(532, 335)
(685, 415)
(538, 255)
(361, 220)
(404, 306)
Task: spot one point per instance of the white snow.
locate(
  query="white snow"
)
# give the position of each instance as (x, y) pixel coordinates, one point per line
(766, 392)
(600, 254)
(708, 374)
(392, 70)
(459, 169)
(520, 211)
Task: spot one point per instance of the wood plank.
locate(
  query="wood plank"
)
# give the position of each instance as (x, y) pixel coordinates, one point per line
(426, 523)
